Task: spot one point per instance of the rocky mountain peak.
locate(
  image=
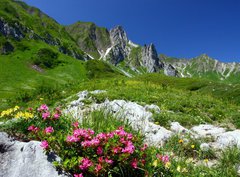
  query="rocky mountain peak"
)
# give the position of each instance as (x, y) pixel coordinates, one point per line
(150, 58)
(118, 36)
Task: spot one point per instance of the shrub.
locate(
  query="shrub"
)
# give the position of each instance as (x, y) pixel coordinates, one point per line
(46, 58)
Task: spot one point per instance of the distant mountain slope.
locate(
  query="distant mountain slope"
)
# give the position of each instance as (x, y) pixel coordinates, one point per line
(18, 21)
(204, 67)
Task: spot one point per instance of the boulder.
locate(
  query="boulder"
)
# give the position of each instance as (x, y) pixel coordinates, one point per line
(25, 159)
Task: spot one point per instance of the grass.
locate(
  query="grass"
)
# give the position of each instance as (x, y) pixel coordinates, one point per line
(176, 101)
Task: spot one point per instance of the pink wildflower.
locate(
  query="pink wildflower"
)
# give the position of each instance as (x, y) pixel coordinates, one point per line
(164, 158)
(43, 107)
(49, 130)
(144, 147)
(56, 116)
(129, 148)
(120, 131)
(109, 161)
(98, 167)
(75, 124)
(72, 139)
(81, 132)
(99, 150)
(117, 150)
(101, 136)
(90, 131)
(31, 128)
(78, 175)
(36, 129)
(45, 115)
(134, 163)
(85, 164)
(100, 159)
(44, 144)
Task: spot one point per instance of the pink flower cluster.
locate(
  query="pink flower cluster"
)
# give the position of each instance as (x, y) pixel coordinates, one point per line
(110, 148)
(49, 130)
(32, 128)
(163, 158)
(44, 110)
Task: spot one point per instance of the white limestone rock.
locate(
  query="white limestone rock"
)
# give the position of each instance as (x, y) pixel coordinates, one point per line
(21, 159)
(228, 139)
(207, 130)
(177, 128)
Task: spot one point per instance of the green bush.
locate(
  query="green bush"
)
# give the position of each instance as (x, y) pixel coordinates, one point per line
(46, 58)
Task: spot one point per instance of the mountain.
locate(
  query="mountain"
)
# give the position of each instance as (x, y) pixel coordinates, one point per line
(114, 47)
(204, 66)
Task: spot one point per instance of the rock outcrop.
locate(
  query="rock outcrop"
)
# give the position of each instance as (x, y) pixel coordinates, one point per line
(12, 30)
(141, 119)
(150, 59)
(169, 70)
(25, 159)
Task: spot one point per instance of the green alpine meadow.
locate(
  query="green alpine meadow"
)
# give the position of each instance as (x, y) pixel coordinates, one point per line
(82, 100)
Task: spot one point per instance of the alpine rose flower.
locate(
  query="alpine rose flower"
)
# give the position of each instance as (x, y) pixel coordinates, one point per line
(75, 124)
(44, 144)
(134, 163)
(43, 107)
(31, 128)
(86, 163)
(49, 130)
(78, 175)
(45, 115)
(99, 150)
(56, 116)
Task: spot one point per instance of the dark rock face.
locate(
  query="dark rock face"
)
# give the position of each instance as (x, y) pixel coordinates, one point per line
(6, 48)
(116, 55)
(150, 58)
(20, 159)
(16, 31)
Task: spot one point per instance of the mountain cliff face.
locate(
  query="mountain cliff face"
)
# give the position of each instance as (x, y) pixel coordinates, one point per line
(205, 67)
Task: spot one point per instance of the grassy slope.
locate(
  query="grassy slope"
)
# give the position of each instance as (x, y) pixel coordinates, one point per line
(89, 36)
(188, 101)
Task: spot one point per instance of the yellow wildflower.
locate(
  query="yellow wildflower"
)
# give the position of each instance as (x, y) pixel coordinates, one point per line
(41, 99)
(192, 146)
(167, 165)
(7, 112)
(180, 141)
(206, 160)
(155, 163)
(28, 115)
(157, 123)
(16, 108)
(19, 115)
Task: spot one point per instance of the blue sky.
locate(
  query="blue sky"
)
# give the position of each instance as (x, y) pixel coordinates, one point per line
(178, 28)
